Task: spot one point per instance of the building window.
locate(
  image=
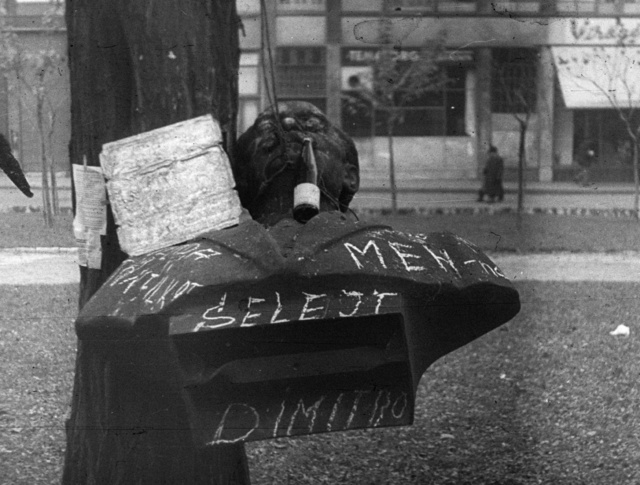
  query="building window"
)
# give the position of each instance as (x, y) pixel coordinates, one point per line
(513, 80)
(301, 5)
(361, 5)
(575, 6)
(248, 6)
(248, 90)
(301, 75)
(435, 113)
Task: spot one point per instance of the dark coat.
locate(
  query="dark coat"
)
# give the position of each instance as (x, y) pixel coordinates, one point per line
(493, 175)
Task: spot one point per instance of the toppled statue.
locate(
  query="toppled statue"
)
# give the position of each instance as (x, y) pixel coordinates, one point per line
(295, 321)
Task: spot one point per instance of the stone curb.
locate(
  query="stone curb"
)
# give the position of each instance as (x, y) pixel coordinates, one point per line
(40, 250)
(558, 211)
(614, 212)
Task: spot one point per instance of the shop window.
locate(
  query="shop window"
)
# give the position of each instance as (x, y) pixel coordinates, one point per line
(248, 89)
(247, 113)
(248, 74)
(301, 74)
(513, 80)
(301, 5)
(575, 6)
(361, 5)
(434, 113)
(250, 33)
(248, 6)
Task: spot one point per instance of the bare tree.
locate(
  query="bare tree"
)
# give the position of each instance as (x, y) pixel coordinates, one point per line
(515, 81)
(610, 74)
(395, 79)
(35, 73)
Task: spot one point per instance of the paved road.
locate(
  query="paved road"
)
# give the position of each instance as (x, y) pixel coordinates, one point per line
(27, 267)
(457, 200)
(415, 192)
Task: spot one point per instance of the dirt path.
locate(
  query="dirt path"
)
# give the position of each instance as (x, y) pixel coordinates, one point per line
(25, 268)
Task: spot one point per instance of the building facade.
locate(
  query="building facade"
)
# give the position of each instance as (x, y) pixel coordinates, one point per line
(501, 56)
(39, 32)
(501, 60)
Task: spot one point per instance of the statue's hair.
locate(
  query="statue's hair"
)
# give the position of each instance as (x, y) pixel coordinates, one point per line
(267, 131)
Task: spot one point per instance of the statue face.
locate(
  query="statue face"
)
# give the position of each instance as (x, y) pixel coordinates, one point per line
(271, 150)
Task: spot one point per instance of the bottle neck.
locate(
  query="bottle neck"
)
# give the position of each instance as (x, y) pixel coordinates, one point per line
(306, 195)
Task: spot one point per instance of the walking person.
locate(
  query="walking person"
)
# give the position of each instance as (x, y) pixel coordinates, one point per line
(492, 172)
(586, 158)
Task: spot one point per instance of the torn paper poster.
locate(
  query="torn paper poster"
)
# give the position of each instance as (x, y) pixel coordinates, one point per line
(90, 221)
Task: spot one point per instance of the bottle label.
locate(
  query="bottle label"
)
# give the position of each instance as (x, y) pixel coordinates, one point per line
(306, 194)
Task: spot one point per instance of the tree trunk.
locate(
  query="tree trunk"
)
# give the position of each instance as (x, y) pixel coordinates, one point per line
(136, 66)
(55, 200)
(636, 178)
(392, 168)
(46, 193)
(521, 153)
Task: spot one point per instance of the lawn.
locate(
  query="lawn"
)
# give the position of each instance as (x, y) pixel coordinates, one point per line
(37, 355)
(494, 232)
(549, 398)
(535, 233)
(19, 229)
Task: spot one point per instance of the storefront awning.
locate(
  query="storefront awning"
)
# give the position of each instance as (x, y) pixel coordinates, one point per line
(599, 77)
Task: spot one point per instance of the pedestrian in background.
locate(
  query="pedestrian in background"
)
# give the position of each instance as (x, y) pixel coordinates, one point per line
(586, 158)
(493, 171)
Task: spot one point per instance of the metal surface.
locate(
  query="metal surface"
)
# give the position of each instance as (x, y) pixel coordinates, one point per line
(298, 329)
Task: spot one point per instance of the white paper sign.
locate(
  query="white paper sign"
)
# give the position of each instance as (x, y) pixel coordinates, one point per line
(90, 221)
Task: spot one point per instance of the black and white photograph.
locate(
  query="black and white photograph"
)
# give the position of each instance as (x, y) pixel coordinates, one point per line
(296, 242)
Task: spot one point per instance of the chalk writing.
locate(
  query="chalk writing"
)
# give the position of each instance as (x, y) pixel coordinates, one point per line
(155, 278)
(487, 268)
(442, 260)
(249, 315)
(310, 411)
(405, 402)
(334, 410)
(295, 415)
(135, 267)
(352, 248)
(380, 297)
(404, 256)
(277, 311)
(277, 425)
(414, 256)
(357, 295)
(267, 308)
(354, 408)
(304, 315)
(218, 435)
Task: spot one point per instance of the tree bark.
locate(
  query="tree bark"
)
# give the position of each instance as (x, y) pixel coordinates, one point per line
(521, 151)
(392, 167)
(46, 192)
(136, 66)
(636, 179)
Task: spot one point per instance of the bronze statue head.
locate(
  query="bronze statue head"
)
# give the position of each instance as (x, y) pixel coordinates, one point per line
(269, 153)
